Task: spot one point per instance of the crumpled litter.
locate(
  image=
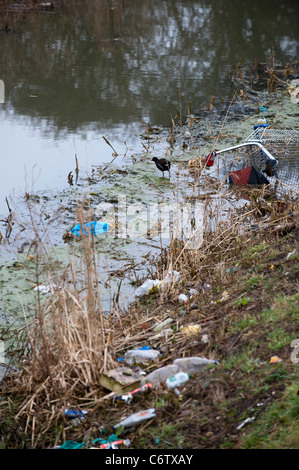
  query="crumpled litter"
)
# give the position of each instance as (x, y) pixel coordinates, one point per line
(171, 278)
(49, 289)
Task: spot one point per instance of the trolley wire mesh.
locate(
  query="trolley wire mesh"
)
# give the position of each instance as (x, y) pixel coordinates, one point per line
(275, 152)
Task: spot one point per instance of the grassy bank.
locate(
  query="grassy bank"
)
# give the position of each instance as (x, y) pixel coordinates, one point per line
(247, 316)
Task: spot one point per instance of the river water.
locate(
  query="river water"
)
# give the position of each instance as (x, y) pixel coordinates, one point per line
(105, 68)
(108, 68)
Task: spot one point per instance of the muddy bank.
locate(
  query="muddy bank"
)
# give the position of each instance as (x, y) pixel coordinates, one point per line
(246, 320)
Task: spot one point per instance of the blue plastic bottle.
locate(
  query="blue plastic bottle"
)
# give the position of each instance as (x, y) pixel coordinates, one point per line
(90, 228)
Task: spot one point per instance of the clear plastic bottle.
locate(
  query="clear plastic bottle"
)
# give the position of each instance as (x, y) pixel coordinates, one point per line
(141, 356)
(160, 326)
(159, 376)
(178, 379)
(192, 364)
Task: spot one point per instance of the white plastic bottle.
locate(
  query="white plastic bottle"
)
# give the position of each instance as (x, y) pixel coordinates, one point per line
(178, 379)
(159, 376)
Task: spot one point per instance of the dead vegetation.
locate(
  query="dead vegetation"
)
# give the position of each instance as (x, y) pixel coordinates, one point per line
(62, 353)
(70, 343)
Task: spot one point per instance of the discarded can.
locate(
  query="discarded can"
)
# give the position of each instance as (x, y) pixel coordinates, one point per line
(137, 418)
(129, 397)
(126, 398)
(210, 158)
(145, 388)
(71, 413)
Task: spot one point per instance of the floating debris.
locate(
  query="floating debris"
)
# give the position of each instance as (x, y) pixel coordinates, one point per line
(49, 289)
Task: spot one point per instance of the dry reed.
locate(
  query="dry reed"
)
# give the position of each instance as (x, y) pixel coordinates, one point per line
(68, 344)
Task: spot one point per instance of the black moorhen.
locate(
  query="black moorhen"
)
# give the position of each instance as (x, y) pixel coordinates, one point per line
(162, 164)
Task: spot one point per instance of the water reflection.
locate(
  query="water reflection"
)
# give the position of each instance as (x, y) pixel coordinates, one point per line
(120, 61)
(107, 66)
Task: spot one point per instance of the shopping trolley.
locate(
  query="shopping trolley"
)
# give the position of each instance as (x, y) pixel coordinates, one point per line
(273, 152)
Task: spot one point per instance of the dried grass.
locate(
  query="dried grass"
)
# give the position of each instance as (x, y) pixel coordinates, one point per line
(71, 342)
(68, 344)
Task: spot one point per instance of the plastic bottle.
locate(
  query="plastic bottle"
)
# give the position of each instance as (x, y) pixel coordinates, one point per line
(159, 376)
(137, 418)
(192, 364)
(140, 356)
(178, 379)
(114, 444)
(129, 397)
(90, 228)
(147, 286)
(70, 413)
(160, 326)
(163, 333)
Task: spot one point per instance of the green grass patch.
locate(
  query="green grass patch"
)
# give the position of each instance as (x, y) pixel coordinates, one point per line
(283, 307)
(278, 339)
(244, 323)
(258, 248)
(278, 427)
(242, 362)
(242, 302)
(253, 283)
